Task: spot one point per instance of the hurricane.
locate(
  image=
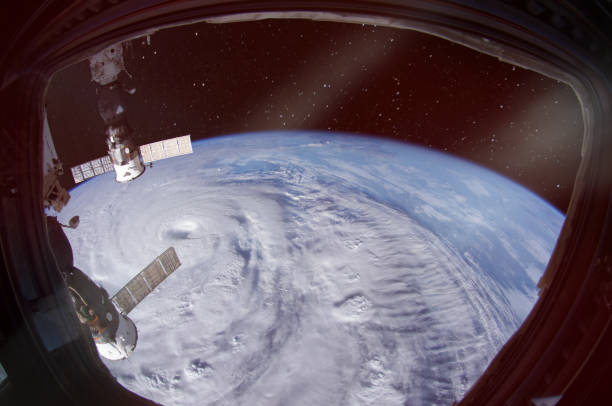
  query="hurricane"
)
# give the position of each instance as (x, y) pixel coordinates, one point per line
(317, 268)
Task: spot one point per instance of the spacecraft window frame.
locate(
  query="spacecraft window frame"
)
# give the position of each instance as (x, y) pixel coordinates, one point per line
(585, 79)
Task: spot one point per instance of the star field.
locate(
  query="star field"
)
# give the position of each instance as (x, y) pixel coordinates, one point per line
(217, 79)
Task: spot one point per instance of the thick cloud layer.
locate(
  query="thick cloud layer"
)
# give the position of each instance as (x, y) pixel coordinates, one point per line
(317, 269)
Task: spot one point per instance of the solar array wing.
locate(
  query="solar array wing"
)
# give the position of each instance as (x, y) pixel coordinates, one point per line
(171, 147)
(184, 144)
(145, 153)
(146, 280)
(91, 168)
(149, 153)
(77, 174)
(166, 148)
(107, 164)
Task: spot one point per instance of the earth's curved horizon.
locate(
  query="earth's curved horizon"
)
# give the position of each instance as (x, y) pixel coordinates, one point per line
(318, 268)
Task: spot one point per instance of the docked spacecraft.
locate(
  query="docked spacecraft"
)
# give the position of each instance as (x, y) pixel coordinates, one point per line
(114, 333)
(124, 156)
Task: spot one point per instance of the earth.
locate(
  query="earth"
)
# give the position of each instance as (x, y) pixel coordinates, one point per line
(317, 268)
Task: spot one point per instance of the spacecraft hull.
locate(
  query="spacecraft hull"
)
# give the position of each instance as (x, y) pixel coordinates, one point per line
(129, 171)
(124, 343)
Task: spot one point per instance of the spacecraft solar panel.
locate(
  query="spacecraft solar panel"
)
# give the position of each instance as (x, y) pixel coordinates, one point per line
(148, 279)
(92, 168)
(145, 153)
(169, 260)
(157, 151)
(169, 148)
(87, 170)
(139, 288)
(77, 174)
(184, 144)
(96, 165)
(124, 301)
(154, 274)
(107, 164)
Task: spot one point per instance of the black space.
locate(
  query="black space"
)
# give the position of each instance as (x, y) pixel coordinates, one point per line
(209, 80)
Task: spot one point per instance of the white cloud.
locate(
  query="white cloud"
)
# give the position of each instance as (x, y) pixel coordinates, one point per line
(476, 187)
